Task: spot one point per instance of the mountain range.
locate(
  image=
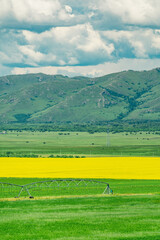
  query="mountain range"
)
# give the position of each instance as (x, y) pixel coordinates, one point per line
(41, 98)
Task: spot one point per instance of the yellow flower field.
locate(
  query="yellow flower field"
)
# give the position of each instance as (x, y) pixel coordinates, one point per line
(106, 167)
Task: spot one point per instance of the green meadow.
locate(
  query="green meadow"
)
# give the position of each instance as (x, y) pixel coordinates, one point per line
(113, 218)
(119, 186)
(56, 144)
(132, 212)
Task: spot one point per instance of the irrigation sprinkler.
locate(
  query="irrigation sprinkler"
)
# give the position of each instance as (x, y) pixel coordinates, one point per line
(55, 187)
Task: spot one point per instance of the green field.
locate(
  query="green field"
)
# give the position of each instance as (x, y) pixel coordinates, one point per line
(118, 216)
(130, 217)
(50, 187)
(79, 144)
(118, 187)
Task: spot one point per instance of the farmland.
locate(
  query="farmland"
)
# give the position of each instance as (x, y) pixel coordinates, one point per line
(71, 144)
(132, 212)
(129, 162)
(105, 167)
(119, 186)
(124, 215)
(87, 218)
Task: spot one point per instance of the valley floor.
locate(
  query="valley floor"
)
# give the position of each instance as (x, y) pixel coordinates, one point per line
(78, 144)
(132, 212)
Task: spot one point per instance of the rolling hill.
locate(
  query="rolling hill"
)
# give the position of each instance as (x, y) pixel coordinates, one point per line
(40, 98)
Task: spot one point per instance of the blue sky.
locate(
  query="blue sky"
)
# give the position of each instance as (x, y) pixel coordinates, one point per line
(90, 38)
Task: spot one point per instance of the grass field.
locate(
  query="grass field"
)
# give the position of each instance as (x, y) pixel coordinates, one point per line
(80, 144)
(119, 186)
(112, 217)
(131, 217)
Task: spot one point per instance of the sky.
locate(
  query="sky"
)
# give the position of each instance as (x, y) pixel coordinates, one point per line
(78, 37)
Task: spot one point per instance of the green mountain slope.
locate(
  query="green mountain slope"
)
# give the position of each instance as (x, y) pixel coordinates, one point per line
(41, 98)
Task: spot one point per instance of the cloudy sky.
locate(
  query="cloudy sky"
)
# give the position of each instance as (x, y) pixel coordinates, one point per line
(78, 37)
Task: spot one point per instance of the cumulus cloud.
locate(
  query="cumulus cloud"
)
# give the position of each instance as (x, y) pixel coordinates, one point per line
(74, 45)
(70, 35)
(9, 43)
(26, 13)
(141, 43)
(107, 13)
(144, 12)
(77, 45)
(60, 46)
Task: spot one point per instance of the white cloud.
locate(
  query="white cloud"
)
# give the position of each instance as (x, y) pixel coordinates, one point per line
(30, 52)
(143, 12)
(96, 70)
(38, 11)
(35, 56)
(69, 45)
(29, 13)
(9, 43)
(68, 33)
(144, 43)
(76, 45)
(22, 12)
(94, 42)
(156, 41)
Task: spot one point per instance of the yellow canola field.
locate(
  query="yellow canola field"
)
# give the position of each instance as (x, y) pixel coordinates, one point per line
(106, 167)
